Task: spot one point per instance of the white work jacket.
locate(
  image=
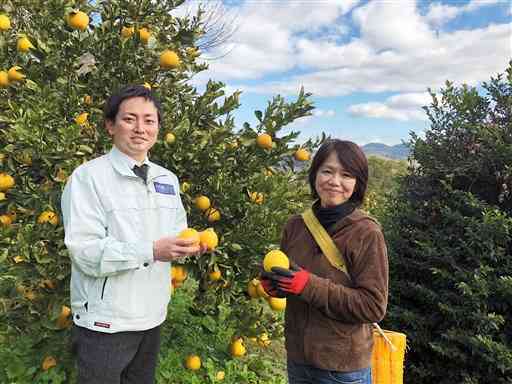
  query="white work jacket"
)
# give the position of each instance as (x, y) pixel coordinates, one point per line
(111, 219)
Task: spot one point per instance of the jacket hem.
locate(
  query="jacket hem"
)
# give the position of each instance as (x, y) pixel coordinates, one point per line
(101, 324)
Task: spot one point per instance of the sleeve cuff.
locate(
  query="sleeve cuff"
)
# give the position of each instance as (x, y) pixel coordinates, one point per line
(144, 250)
(307, 293)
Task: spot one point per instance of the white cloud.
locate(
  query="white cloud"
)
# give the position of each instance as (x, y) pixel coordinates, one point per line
(393, 25)
(409, 100)
(313, 54)
(403, 107)
(476, 4)
(297, 15)
(265, 41)
(397, 50)
(324, 112)
(462, 56)
(439, 14)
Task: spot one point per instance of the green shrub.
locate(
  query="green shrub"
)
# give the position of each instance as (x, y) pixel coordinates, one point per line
(449, 229)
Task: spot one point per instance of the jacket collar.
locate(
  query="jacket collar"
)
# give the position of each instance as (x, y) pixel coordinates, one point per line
(123, 164)
(355, 216)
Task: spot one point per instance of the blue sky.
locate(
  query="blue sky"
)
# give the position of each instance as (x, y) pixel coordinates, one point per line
(367, 63)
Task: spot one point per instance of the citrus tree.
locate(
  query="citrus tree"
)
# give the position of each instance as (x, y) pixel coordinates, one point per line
(59, 61)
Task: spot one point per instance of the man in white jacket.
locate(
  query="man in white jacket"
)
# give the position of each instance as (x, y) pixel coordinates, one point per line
(121, 217)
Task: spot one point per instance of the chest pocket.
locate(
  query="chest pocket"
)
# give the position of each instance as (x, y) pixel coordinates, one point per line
(141, 217)
(163, 213)
(123, 217)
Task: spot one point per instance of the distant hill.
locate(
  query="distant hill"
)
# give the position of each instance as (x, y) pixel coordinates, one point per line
(395, 152)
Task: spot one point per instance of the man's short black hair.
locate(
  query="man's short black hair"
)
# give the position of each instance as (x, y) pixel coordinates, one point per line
(112, 105)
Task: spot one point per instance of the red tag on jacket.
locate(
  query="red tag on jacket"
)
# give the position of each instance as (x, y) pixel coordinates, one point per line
(102, 325)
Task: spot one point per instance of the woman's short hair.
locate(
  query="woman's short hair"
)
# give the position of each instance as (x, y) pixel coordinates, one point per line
(353, 160)
(112, 105)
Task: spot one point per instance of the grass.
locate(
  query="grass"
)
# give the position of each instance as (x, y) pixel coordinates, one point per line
(184, 334)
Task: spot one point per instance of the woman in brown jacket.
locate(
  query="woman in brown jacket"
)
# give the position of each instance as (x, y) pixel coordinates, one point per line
(329, 314)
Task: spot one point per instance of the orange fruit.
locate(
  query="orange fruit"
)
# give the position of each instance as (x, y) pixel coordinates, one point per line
(252, 288)
(261, 291)
(264, 141)
(170, 138)
(209, 239)
(78, 20)
(48, 362)
(302, 155)
(14, 74)
(144, 35)
(5, 220)
(237, 348)
(24, 44)
(190, 233)
(17, 259)
(275, 258)
(215, 275)
(185, 186)
(257, 197)
(4, 79)
(61, 175)
(6, 181)
(127, 32)
(193, 362)
(5, 23)
(212, 214)
(169, 59)
(81, 119)
(263, 340)
(48, 217)
(178, 273)
(63, 320)
(277, 303)
(202, 202)
(65, 311)
(220, 375)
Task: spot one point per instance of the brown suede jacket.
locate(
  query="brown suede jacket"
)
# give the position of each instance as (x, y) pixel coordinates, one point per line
(329, 325)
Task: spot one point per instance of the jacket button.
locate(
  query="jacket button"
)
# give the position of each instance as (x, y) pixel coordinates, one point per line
(146, 264)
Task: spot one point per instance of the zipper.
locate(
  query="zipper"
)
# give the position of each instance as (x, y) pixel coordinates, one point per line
(103, 289)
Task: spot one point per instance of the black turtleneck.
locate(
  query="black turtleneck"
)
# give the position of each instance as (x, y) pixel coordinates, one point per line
(330, 216)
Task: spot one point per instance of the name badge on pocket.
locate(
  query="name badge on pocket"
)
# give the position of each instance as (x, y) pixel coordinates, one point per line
(167, 189)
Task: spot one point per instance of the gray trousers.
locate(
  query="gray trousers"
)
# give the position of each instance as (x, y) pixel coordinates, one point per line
(115, 358)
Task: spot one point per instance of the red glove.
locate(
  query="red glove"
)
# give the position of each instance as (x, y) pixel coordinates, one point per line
(268, 286)
(290, 281)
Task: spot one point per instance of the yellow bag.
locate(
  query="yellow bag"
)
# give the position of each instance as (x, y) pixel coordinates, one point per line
(388, 346)
(388, 356)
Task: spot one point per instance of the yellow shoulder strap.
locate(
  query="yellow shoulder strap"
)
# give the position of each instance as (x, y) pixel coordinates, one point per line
(326, 243)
